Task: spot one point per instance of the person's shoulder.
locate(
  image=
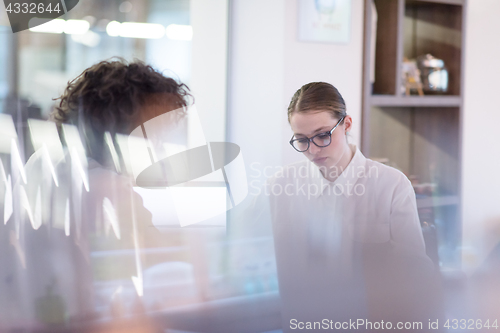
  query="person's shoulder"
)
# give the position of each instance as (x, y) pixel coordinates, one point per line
(387, 174)
(388, 182)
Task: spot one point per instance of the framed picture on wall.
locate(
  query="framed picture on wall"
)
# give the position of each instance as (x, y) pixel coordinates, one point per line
(326, 21)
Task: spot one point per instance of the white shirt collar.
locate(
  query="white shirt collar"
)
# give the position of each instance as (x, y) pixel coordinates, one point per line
(348, 177)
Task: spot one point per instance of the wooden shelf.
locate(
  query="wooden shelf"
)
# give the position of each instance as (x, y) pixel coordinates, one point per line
(419, 134)
(438, 201)
(444, 2)
(416, 101)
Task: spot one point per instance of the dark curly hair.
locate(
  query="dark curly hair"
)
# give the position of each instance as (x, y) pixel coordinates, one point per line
(108, 97)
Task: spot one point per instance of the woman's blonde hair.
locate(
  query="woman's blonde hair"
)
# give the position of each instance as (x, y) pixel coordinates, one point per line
(317, 97)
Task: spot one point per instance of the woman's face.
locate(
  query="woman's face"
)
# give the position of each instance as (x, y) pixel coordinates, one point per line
(311, 123)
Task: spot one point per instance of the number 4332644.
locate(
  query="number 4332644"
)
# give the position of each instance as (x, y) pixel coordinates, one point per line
(470, 324)
(32, 8)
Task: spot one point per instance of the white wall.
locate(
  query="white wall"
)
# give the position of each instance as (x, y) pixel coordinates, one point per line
(256, 105)
(268, 65)
(338, 64)
(209, 19)
(481, 134)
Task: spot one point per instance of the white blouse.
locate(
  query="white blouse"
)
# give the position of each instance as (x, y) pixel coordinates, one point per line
(334, 240)
(370, 201)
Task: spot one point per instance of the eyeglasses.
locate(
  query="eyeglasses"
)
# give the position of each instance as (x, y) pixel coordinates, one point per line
(320, 140)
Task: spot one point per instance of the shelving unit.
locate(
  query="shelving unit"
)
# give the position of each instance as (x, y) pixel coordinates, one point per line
(416, 101)
(420, 135)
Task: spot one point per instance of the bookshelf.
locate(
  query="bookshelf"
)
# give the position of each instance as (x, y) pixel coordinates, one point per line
(420, 135)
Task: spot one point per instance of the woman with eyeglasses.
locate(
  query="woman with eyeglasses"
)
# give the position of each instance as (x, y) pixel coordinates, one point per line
(347, 235)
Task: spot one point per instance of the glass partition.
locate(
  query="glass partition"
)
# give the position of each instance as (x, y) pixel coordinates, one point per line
(84, 246)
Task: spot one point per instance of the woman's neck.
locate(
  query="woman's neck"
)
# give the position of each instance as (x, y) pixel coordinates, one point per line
(336, 170)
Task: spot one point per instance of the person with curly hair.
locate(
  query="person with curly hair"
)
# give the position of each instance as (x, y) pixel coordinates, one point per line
(94, 207)
(116, 97)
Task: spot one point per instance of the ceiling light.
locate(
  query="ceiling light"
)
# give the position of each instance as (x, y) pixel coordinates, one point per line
(179, 32)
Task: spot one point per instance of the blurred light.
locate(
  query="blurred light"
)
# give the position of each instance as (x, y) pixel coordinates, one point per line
(90, 39)
(117, 291)
(76, 162)
(8, 207)
(135, 30)
(77, 152)
(138, 284)
(90, 19)
(7, 132)
(16, 157)
(76, 27)
(179, 32)
(45, 134)
(2, 172)
(58, 26)
(110, 216)
(113, 28)
(122, 143)
(53, 27)
(48, 163)
(141, 30)
(76, 191)
(125, 7)
(112, 149)
(102, 24)
(26, 205)
(66, 219)
(72, 138)
(137, 280)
